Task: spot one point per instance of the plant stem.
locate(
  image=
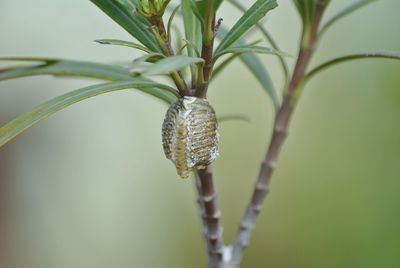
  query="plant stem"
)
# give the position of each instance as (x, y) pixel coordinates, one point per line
(165, 42)
(210, 214)
(207, 55)
(282, 119)
(207, 199)
(207, 49)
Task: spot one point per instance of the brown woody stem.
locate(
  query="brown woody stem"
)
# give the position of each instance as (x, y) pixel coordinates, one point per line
(210, 214)
(281, 123)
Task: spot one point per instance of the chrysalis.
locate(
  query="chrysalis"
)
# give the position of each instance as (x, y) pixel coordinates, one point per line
(190, 135)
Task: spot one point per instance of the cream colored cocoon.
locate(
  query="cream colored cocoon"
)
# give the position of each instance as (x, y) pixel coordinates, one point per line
(190, 134)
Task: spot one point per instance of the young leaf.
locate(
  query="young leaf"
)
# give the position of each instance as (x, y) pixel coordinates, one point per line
(58, 67)
(171, 64)
(130, 20)
(354, 6)
(256, 12)
(123, 43)
(372, 54)
(192, 27)
(25, 121)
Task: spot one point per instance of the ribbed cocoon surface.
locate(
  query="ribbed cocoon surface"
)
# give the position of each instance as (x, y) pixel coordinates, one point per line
(190, 135)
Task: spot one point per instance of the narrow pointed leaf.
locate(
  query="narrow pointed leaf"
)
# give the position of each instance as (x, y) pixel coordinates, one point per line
(267, 36)
(25, 121)
(203, 5)
(352, 7)
(130, 20)
(254, 64)
(218, 69)
(171, 64)
(192, 27)
(258, 70)
(256, 12)
(171, 20)
(58, 67)
(193, 46)
(122, 43)
(372, 54)
(192, 31)
(251, 49)
(153, 57)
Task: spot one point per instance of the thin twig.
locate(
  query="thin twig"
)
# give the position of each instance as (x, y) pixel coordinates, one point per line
(282, 120)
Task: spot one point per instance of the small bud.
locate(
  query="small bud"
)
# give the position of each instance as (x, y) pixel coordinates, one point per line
(152, 8)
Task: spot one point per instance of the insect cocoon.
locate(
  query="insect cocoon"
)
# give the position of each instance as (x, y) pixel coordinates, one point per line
(190, 135)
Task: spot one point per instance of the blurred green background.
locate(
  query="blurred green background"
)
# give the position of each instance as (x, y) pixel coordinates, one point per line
(90, 186)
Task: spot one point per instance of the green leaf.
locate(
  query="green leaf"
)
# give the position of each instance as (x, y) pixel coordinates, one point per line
(258, 70)
(202, 6)
(353, 6)
(25, 121)
(123, 43)
(256, 12)
(192, 31)
(192, 27)
(306, 10)
(268, 37)
(153, 57)
(251, 49)
(58, 67)
(171, 20)
(372, 54)
(171, 64)
(130, 20)
(196, 12)
(193, 46)
(254, 64)
(225, 63)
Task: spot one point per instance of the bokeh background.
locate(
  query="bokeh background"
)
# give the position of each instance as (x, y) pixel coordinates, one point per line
(90, 187)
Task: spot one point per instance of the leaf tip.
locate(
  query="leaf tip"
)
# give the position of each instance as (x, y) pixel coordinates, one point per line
(102, 41)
